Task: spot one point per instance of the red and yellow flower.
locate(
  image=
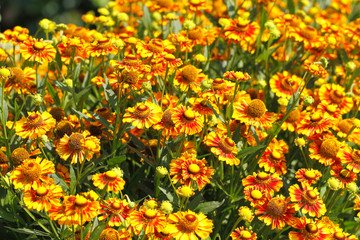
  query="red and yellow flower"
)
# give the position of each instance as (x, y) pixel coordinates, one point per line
(110, 180)
(38, 51)
(187, 120)
(117, 210)
(335, 94)
(143, 115)
(242, 233)
(149, 220)
(310, 230)
(269, 182)
(308, 176)
(284, 84)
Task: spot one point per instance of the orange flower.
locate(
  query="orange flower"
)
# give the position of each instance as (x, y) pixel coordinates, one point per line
(256, 195)
(253, 113)
(32, 172)
(242, 233)
(21, 80)
(223, 147)
(101, 47)
(78, 147)
(35, 125)
(143, 115)
(276, 212)
(131, 62)
(273, 160)
(190, 225)
(284, 84)
(149, 220)
(315, 123)
(117, 210)
(237, 76)
(325, 150)
(343, 175)
(189, 77)
(37, 51)
(316, 70)
(242, 31)
(186, 120)
(187, 169)
(166, 124)
(110, 180)
(310, 230)
(42, 196)
(293, 119)
(335, 94)
(269, 182)
(308, 176)
(79, 209)
(307, 199)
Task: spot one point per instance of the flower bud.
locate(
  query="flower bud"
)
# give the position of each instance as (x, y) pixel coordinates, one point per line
(103, 11)
(38, 99)
(352, 187)
(152, 204)
(166, 207)
(5, 72)
(309, 100)
(301, 142)
(224, 22)
(350, 67)
(146, 86)
(333, 184)
(69, 82)
(44, 138)
(161, 171)
(118, 172)
(283, 101)
(189, 24)
(205, 85)
(246, 214)
(324, 62)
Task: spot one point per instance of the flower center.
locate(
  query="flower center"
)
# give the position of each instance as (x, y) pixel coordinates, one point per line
(336, 96)
(262, 176)
(41, 191)
(110, 176)
(316, 117)
(189, 115)
(115, 205)
(309, 32)
(103, 40)
(293, 116)
(309, 175)
(57, 113)
(242, 25)
(75, 142)
(345, 125)
(355, 156)
(331, 108)
(219, 84)
(245, 234)
(156, 46)
(276, 206)
(21, 37)
(196, 34)
(193, 168)
(329, 148)
(31, 171)
(310, 195)
(189, 73)
(34, 120)
(256, 194)
(19, 155)
(285, 84)
(311, 228)
(150, 213)
(17, 75)
(104, 112)
(189, 223)
(38, 46)
(167, 118)
(275, 155)
(345, 174)
(256, 108)
(81, 202)
(339, 236)
(227, 145)
(131, 60)
(130, 76)
(142, 111)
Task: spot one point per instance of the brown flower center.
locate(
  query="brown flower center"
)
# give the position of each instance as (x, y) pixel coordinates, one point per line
(31, 171)
(38, 46)
(293, 116)
(57, 113)
(196, 34)
(167, 118)
(34, 120)
(189, 73)
(227, 145)
(241, 26)
(309, 32)
(311, 228)
(19, 155)
(345, 125)
(329, 148)
(156, 46)
(339, 236)
(64, 127)
(104, 112)
(41, 191)
(142, 111)
(285, 84)
(189, 223)
(219, 84)
(131, 60)
(355, 156)
(75, 142)
(110, 234)
(276, 206)
(17, 75)
(336, 96)
(189, 115)
(130, 76)
(256, 108)
(345, 174)
(103, 41)
(310, 197)
(115, 206)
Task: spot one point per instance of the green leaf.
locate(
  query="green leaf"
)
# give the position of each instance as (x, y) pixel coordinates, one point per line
(211, 18)
(343, 55)
(102, 120)
(28, 231)
(291, 6)
(72, 179)
(355, 75)
(53, 93)
(97, 232)
(3, 108)
(207, 207)
(147, 20)
(7, 216)
(216, 114)
(230, 5)
(82, 115)
(62, 86)
(116, 160)
(249, 150)
(110, 95)
(77, 71)
(355, 12)
(167, 194)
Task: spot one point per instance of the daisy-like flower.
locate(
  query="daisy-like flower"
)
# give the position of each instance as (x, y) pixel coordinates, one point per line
(38, 51)
(337, 233)
(276, 212)
(308, 199)
(79, 209)
(189, 77)
(166, 124)
(335, 94)
(131, 62)
(293, 119)
(223, 147)
(190, 225)
(308, 176)
(346, 129)
(110, 180)
(350, 157)
(101, 47)
(315, 123)
(32, 172)
(241, 31)
(186, 120)
(256, 195)
(253, 113)
(21, 80)
(273, 160)
(343, 175)
(326, 150)
(42, 196)
(143, 115)
(78, 147)
(237, 76)
(284, 84)
(310, 230)
(187, 169)
(316, 70)
(34, 126)
(242, 233)
(110, 233)
(269, 182)
(149, 220)
(117, 210)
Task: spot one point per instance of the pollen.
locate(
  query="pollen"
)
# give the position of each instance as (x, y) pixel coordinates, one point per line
(156, 46)
(336, 96)
(17, 75)
(276, 206)
(42, 191)
(345, 125)
(130, 76)
(57, 113)
(310, 196)
(339, 236)
(262, 176)
(34, 120)
(31, 171)
(189, 73)
(256, 108)
(193, 168)
(18, 156)
(329, 148)
(311, 228)
(110, 234)
(196, 34)
(219, 84)
(167, 118)
(188, 223)
(245, 235)
(38, 46)
(142, 111)
(293, 116)
(355, 156)
(75, 142)
(189, 115)
(316, 117)
(115, 205)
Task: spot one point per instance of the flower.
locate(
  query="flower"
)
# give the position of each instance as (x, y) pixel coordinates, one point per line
(316, 70)
(315, 122)
(101, 47)
(284, 84)
(32, 172)
(117, 210)
(223, 147)
(253, 113)
(21, 80)
(273, 160)
(237, 76)
(79, 209)
(42, 196)
(256, 195)
(187, 169)
(186, 120)
(325, 150)
(190, 225)
(149, 220)
(344, 176)
(269, 182)
(335, 94)
(307, 199)
(242, 31)
(276, 212)
(78, 147)
(35, 125)
(308, 176)
(109, 180)
(245, 214)
(38, 51)
(242, 233)
(310, 230)
(189, 77)
(143, 115)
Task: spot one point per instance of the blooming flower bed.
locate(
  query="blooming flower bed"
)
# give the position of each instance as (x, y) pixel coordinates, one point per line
(183, 120)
